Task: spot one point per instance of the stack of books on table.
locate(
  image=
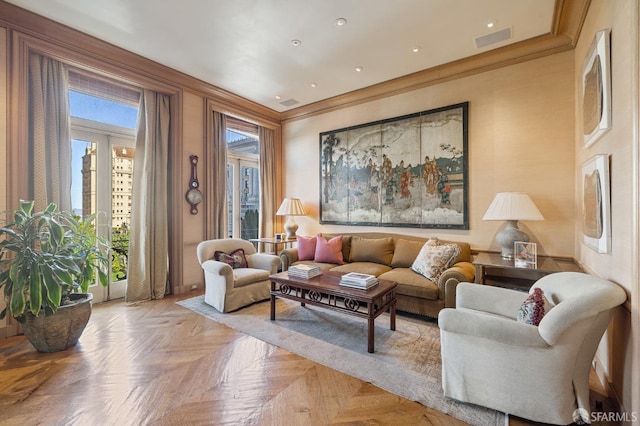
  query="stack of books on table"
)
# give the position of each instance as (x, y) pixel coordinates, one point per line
(356, 280)
(304, 271)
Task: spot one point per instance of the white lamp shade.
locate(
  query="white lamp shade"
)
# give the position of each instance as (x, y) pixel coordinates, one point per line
(291, 207)
(512, 206)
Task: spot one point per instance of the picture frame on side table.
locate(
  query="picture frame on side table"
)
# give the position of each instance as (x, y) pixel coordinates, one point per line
(596, 88)
(596, 204)
(526, 254)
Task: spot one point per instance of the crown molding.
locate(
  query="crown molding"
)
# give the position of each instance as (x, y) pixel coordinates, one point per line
(568, 18)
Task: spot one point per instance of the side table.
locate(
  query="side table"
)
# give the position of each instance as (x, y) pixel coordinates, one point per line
(492, 269)
(275, 242)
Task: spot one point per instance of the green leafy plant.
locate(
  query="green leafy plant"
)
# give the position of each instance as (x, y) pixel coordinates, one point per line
(46, 256)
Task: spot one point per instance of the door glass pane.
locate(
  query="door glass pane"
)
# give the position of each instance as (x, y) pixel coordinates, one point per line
(249, 202)
(230, 198)
(121, 189)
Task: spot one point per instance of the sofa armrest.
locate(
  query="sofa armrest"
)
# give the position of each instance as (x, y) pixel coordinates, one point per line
(268, 262)
(487, 298)
(288, 257)
(450, 278)
(490, 327)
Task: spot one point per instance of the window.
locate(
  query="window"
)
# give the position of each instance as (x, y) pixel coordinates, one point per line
(243, 179)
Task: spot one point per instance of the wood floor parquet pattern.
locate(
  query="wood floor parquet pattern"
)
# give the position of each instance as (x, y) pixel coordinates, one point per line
(157, 363)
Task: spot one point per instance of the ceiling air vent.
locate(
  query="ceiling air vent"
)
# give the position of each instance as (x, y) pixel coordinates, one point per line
(493, 38)
(289, 102)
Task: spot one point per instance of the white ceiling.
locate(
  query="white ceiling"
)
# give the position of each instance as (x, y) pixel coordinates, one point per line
(244, 46)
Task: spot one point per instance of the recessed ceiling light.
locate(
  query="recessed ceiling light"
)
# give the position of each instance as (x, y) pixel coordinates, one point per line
(313, 85)
(415, 49)
(491, 24)
(359, 68)
(340, 22)
(278, 97)
(296, 42)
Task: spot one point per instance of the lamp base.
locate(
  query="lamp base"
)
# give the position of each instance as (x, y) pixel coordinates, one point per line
(291, 227)
(508, 236)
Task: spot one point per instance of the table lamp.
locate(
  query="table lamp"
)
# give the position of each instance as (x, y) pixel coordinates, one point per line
(291, 207)
(512, 207)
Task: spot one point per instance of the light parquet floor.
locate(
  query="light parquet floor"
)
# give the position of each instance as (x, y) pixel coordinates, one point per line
(157, 363)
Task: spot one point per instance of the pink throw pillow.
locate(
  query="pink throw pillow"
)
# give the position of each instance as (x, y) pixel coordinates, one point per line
(306, 248)
(329, 251)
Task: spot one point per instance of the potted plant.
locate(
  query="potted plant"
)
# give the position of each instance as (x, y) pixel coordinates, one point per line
(48, 260)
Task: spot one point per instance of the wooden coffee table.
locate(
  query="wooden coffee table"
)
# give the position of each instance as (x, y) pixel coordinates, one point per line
(325, 291)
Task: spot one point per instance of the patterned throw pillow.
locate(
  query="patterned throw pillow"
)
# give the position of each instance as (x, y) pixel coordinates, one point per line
(434, 259)
(236, 259)
(534, 308)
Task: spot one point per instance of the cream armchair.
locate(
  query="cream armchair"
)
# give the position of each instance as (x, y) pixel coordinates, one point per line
(538, 373)
(228, 289)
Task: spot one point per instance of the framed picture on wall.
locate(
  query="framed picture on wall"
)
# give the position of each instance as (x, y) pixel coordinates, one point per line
(596, 204)
(408, 171)
(596, 88)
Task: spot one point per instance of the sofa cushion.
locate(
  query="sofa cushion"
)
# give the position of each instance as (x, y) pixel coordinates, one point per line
(236, 259)
(322, 266)
(377, 250)
(433, 259)
(370, 268)
(329, 251)
(306, 247)
(405, 253)
(411, 284)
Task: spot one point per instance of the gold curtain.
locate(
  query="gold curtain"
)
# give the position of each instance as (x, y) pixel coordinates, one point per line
(50, 128)
(216, 180)
(147, 277)
(267, 182)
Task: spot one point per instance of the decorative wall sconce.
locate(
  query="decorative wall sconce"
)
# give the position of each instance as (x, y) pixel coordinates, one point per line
(194, 196)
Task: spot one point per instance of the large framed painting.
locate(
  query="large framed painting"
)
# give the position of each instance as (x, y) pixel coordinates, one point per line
(596, 89)
(409, 171)
(596, 209)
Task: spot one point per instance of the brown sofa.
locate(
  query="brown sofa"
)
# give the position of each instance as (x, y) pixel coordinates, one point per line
(390, 256)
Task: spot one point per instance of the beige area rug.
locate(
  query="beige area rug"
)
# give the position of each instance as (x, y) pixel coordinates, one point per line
(406, 362)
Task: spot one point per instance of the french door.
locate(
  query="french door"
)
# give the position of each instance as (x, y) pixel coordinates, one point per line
(105, 155)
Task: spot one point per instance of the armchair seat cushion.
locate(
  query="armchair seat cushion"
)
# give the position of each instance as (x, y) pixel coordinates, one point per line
(370, 268)
(412, 284)
(244, 276)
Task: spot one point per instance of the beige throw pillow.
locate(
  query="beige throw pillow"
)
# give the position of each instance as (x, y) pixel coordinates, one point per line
(405, 253)
(377, 250)
(434, 259)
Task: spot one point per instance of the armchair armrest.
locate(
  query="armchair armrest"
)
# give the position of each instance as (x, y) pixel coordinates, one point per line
(490, 327)
(486, 298)
(288, 257)
(268, 262)
(216, 268)
(450, 278)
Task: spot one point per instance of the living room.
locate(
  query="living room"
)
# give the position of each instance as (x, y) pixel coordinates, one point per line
(525, 134)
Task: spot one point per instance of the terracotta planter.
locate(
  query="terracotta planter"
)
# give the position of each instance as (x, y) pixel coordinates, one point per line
(61, 330)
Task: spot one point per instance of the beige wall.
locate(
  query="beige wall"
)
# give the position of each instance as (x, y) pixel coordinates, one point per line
(192, 225)
(619, 349)
(521, 138)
